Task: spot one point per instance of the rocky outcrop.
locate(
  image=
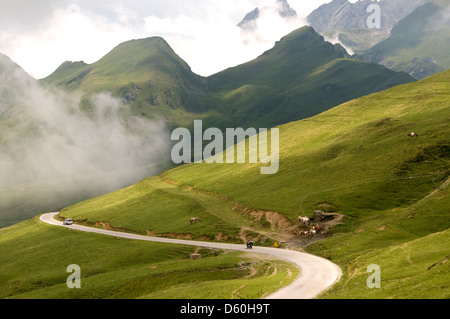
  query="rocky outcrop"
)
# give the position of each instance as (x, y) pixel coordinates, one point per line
(250, 20)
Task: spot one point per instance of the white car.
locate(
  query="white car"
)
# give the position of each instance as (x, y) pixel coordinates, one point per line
(68, 222)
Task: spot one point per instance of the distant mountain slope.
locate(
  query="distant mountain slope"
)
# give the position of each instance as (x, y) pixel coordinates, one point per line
(11, 78)
(419, 44)
(344, 15)
(345, 22)
(300, 77)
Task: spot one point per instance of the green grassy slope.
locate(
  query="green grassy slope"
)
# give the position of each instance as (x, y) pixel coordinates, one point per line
(35, 257)
(410, 244)
(157, 207)
(419, 44)
(356, 156)
(355, 159)
(146, 74)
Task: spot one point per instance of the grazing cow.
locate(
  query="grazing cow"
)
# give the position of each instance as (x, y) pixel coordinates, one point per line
(195, 220)
(413, 135)
(304, 221)
(318, 229)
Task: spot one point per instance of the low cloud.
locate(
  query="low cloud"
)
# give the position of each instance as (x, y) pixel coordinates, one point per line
(334, 39)
(48, 143)
(215, 42)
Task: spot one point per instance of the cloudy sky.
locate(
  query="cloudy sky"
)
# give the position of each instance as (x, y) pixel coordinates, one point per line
(40, 35)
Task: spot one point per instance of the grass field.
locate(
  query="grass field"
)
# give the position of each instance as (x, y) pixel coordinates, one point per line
(356, 156)
(410, 244)
(355, 159)
(35, 257)
(157, 207)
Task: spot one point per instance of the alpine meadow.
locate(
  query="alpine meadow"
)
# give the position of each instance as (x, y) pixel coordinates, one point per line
(320, 169)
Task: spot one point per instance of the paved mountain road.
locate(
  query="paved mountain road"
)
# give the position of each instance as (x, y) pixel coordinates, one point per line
(317, 274)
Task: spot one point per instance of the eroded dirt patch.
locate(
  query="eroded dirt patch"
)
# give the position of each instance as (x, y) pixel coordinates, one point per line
(108, 226)
(277, 220)
(221, 237)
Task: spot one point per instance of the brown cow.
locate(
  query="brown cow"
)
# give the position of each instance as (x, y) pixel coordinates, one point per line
(303, 234)
(319, 229)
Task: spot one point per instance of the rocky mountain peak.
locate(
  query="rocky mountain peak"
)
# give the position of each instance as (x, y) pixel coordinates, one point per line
(282, 6)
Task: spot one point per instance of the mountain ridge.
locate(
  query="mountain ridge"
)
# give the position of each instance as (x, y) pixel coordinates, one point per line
(157, 80)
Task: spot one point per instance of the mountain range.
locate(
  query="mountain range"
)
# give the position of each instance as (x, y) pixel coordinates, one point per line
(149, 77)
(301, 76)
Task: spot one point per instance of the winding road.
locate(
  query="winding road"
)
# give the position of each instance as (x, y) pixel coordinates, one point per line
(317, 274)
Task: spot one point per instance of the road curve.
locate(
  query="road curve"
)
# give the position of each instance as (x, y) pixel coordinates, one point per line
(317, 274)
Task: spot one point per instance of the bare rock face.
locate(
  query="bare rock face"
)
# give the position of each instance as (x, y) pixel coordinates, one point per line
(250, 20)
(285, 10)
